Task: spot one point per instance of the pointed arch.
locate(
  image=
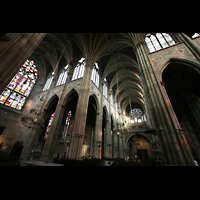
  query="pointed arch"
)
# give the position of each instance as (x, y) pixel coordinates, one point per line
(191, 62)
(131, 135)
(51, 101)
(70, 95)
(96, 100)
(106, 111)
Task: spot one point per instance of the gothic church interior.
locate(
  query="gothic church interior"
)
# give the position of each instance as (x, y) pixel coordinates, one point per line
(108, 98)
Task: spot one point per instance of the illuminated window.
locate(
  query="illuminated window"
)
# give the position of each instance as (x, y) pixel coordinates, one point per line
(49, 125)
(66, 125)
(111, 99)
(136, 112)
(79, 69)
(21, 85)
(196, 35)
(63, 76)
(158, 41)
(105, 88)
(95, 75)
(48, 82)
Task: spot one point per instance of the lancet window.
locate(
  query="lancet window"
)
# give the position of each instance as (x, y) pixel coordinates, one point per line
(79, 69)
(105, 88)
(66, 126)
(49, 125)
(21, 85)
(63, 76)
(158, 41)
(95, 75)
(48, 82)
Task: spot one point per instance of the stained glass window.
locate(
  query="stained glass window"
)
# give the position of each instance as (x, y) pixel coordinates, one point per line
(136, 112)
(63, 76)
(95, 75)
(79, 69)
(49, 125)
(66, 126)
(19, 88)
(158, 41)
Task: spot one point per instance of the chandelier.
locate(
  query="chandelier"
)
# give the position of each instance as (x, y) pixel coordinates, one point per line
(32, 120)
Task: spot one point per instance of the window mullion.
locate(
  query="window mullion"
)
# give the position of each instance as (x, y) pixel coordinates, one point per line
(165, 39)
(152, 44)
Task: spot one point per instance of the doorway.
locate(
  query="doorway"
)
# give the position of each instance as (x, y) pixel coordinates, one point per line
(140, 148)
(142, 154)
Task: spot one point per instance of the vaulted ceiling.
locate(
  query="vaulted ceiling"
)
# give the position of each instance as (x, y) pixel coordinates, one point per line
(114, 52)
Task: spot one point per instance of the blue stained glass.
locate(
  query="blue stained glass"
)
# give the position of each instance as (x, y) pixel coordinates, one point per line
(49, 125)
(20, 86)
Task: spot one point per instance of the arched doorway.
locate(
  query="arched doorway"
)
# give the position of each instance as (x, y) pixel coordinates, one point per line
(140, 148)
(89, 136)
(182, 86)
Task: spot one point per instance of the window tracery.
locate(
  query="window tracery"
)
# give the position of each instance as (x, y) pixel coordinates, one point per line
(79, 69)
(158, 41)
(136, 112)
(21, 85)
(95, 75)
(48, 82)
(63, 76)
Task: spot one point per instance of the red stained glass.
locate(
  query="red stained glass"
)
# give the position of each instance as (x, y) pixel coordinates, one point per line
(19, 88)
(49, 125)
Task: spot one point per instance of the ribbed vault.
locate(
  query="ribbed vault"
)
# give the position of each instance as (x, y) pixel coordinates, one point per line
(114, 52)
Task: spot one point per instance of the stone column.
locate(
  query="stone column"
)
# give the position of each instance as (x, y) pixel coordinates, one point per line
(175, 152)
(107, 136)
(14, 55)
(52, 139)
(98, 134)
(76, 145)
(50, 143)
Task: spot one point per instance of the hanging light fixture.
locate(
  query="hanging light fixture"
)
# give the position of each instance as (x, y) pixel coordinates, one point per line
(33, 119)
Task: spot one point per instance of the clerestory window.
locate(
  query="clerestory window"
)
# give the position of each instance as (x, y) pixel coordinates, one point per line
(105, 88)
(79, 69)
(158, 41)
(63, 76)
(48, 82)
(196, 35)
(95, 75)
